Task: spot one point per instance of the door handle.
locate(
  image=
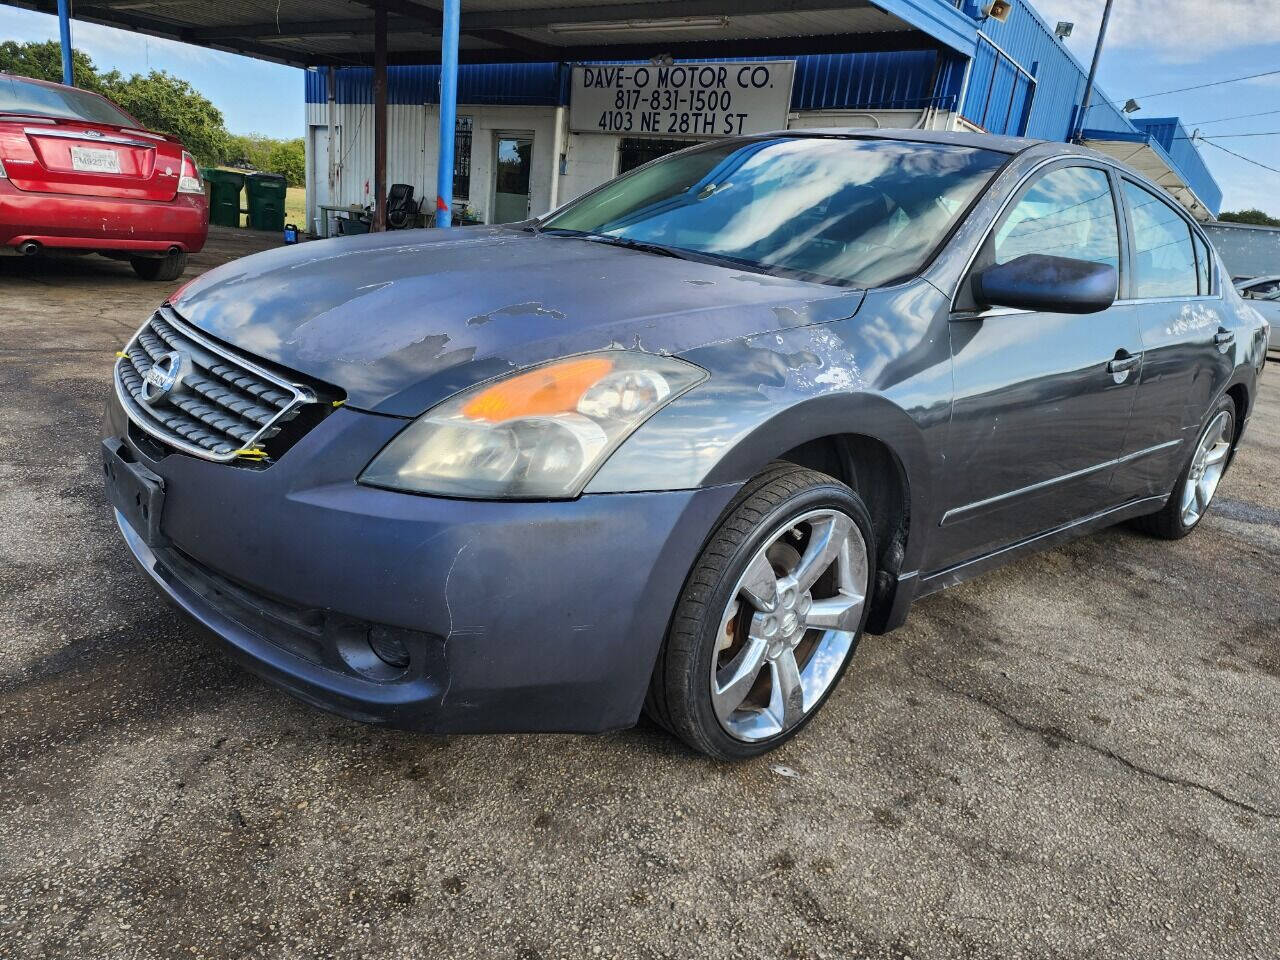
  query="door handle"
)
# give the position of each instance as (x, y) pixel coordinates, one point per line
(1224, 338)
(1120, 366)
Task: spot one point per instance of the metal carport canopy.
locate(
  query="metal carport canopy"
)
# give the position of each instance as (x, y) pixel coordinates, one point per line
(341, 32)
(1145, 154)
(337, 33)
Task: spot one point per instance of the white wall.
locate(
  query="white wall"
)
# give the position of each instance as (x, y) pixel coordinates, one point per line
(412, 144)
(590, 159)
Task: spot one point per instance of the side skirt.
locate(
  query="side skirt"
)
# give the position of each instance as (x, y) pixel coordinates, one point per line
(913, 585)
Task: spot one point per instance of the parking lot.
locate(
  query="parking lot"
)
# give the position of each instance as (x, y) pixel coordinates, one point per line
(1074, 756)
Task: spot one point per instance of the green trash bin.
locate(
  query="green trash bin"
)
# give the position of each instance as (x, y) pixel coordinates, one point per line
(266, 201)
(224, 196)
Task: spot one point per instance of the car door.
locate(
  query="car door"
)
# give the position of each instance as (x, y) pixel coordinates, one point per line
(1041, 399)
(1186, 339)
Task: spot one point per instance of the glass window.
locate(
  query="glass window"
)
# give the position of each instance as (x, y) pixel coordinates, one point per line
(1068, 212)
(863, 212)
(1164, 261)
(462, 159)
(1263, 291)
(1204, 265)
(22, 96)
(637, 151)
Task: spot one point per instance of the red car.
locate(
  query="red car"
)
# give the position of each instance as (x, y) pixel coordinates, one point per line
(77, 173)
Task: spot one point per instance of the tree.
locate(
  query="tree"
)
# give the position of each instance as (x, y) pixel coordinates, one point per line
(288, 158)
(44, 62)
(1252, 216)
(164, 103)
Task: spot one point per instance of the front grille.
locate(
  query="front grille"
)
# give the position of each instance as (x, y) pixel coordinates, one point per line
(196, 396)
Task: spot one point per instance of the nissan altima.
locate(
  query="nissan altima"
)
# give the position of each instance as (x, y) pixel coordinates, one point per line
(678, 445)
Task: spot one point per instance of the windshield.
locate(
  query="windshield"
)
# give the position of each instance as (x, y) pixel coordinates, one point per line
(862, 212)
(21, 96)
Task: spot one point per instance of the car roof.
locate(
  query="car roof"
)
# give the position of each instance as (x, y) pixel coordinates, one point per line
(959, 138)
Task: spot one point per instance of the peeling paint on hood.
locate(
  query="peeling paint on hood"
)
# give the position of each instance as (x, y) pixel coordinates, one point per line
(401, 320)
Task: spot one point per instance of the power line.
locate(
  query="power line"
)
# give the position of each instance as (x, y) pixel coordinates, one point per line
(1230, 136)
(1201, 86)
(1242, 116)
(1241, 156)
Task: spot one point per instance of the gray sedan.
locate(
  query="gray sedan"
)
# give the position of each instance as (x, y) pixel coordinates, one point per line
(680, 444)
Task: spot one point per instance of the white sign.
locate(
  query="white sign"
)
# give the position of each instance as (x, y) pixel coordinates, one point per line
(682, 100)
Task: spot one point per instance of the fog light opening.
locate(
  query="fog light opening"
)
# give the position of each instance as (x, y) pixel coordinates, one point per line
(389, 648)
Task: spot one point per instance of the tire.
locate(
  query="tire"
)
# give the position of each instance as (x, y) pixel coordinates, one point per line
(786, 511)
(1172, 522)
(168, 267)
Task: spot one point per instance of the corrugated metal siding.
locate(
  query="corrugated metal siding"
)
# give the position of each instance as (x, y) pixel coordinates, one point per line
(1060, 78)
(864, 80)
(868, 81)
(529, 84)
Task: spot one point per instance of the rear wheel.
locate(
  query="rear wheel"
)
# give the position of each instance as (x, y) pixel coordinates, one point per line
(168, 267)
(769, 617)
(1199, 479)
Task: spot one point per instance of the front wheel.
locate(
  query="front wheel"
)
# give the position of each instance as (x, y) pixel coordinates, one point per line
(769, 616)
(168, 267)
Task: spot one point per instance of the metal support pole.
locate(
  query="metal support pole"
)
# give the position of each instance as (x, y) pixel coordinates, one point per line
(1077, 133)
(448, 111)
(380, 117)
(64, 34)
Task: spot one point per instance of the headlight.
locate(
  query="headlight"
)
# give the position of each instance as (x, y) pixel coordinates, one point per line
(537, 434)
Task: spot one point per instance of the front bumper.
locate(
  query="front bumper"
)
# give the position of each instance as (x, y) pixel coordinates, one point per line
(518, 616)
(60, 221)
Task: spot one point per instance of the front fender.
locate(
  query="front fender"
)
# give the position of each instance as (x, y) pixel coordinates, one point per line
(770, 393)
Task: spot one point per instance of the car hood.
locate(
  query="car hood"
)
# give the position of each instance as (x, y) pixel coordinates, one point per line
(401, 320)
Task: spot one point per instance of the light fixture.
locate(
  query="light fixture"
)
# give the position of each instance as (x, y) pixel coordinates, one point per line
(662, 60)
(1063, 29)
(1131, 106)
(668, 24)
(997, 10)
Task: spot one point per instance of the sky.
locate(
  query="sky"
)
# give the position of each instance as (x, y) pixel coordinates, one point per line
(1152, 46)
(253, 95)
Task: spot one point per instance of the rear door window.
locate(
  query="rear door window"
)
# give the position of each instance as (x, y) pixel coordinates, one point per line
(1067, 212)
(1164, 259)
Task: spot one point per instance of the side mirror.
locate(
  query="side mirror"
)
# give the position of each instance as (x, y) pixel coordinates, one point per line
(1052, 284)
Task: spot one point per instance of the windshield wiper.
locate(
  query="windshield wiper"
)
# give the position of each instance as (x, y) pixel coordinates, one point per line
(643, 246)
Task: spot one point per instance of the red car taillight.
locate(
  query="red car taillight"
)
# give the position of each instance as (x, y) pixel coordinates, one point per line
(189, 179)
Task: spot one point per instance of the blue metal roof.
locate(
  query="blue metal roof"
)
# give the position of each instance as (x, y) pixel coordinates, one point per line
(530, 84)
(1181, 149)
(828, 81)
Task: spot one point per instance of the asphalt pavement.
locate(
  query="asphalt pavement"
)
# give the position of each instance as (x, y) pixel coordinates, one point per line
(1074, 756)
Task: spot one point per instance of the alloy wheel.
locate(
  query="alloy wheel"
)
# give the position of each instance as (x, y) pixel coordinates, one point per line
(790, 624)
(1207, 467)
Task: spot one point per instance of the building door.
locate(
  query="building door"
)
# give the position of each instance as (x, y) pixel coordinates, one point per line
(511, 177)
(324, 192)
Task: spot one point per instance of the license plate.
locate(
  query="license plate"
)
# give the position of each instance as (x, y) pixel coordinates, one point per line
(90, 160)
(135, 491)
